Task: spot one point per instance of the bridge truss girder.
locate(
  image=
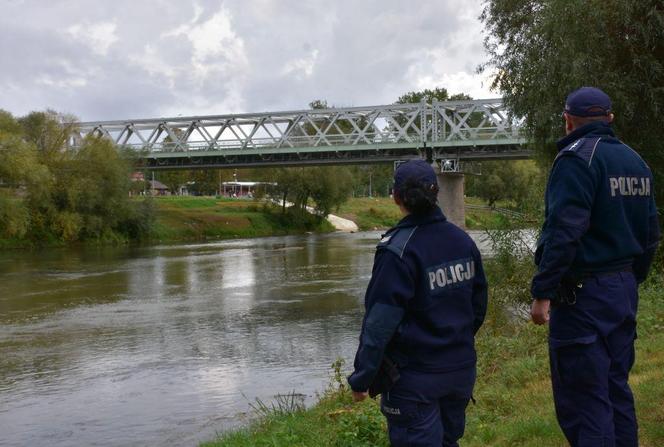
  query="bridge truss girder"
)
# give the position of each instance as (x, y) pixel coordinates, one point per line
(459, 129)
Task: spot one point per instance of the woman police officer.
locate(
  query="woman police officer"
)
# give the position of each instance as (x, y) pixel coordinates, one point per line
(425, 301)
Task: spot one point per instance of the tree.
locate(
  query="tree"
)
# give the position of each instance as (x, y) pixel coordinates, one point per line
(8, 124)
(17, 162)
(541, 50)
(205, 182)
(48, 131)
(327, 187)
(50, 192)
(371, 180)
(173, 179)
(330, 187)
(318, 104)
(342, 127)
(505, 180)
(427, 95)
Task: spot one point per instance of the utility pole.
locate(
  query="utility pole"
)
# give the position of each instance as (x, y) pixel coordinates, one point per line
(370, 191)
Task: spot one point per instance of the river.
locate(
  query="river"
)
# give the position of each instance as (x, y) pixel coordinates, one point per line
(169, 345)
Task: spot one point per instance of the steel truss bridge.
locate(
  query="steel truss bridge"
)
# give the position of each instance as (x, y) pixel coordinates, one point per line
(452, 130)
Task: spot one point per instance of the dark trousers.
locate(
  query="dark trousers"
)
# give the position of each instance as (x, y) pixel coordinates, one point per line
(591, 348)
(428, 409)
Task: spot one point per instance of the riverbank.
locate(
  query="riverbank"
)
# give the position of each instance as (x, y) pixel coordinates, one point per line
(180, 219)
(513, 393)
(176, 219)
(379, 213)
(205, 218)
(199, 219)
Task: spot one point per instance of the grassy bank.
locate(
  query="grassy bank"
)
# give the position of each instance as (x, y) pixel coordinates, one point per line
(514, 402)
(177, 219)
(204, 218)
(380, 213)
(371, 213)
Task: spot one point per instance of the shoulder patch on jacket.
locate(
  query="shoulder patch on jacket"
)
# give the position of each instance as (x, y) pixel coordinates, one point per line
(397, 240)
(583, 148)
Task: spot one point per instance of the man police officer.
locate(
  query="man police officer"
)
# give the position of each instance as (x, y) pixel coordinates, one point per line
(598, 240)
(425, 301)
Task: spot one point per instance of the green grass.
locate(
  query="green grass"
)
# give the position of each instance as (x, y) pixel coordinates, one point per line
(375, 213)
(482, 220)
(379, 213)
(179, 219)
(513, 393)
(205, 218)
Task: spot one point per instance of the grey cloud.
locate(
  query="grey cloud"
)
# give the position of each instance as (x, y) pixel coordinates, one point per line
(348, 52)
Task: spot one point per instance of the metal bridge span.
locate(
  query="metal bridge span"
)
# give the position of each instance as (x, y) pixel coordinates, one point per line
(453, 130)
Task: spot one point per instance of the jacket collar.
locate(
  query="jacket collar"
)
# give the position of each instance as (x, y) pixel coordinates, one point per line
(411, 220)
(598, 128)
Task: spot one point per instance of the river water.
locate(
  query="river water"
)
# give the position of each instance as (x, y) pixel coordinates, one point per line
(169, 345)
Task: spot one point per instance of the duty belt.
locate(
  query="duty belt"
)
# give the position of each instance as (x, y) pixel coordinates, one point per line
(566, 292)
(589, 275)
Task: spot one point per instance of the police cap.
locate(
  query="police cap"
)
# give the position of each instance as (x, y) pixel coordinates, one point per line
(588, 101)
(414, 170)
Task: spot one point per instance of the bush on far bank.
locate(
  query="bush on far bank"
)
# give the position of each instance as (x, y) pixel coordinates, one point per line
(51, 194)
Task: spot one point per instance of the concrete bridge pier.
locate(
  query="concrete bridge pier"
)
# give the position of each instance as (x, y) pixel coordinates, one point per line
(450, 197)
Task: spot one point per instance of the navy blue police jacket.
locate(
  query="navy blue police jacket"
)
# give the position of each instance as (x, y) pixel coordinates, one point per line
(600, 213)
(425, 301)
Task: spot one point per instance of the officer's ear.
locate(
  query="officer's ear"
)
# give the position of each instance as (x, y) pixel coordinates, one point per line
(397, 198)
(611, 116)
(569, 123)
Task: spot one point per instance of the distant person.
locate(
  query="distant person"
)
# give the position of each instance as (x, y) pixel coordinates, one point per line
(599, 238)
(424, 304)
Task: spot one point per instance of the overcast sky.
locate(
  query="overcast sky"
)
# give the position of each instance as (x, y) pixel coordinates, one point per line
(149, 58)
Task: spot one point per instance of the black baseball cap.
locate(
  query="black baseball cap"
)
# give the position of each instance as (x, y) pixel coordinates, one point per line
(588, 101)
(414, 170)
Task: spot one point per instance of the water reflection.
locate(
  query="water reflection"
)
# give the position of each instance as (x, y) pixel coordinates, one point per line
(167, 345)
(170, 344)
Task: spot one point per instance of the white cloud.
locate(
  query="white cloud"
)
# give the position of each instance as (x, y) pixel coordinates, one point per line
(452, 61)
(156, 64)
(471, 84)
(99, 37)
(301, 67)
(217, 49)
(68, 83)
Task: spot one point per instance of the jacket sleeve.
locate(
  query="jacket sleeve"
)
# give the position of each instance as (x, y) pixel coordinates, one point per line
(571, 192)
(642, 263)
(480, 292)
(392, 285)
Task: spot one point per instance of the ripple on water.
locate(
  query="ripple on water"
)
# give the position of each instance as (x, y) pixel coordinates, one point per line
(167, 345)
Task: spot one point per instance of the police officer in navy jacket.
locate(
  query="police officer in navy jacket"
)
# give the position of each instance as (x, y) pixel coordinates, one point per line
(597, 243)
(425, 301)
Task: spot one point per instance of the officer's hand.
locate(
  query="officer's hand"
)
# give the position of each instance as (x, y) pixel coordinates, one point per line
(359, 396)
(539, 311)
